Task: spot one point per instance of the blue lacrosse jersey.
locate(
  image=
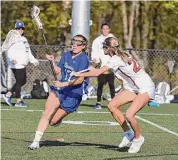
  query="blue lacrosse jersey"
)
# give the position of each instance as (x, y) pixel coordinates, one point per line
(76, 64)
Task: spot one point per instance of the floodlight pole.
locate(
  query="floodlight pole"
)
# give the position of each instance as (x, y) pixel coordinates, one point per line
(80, 18)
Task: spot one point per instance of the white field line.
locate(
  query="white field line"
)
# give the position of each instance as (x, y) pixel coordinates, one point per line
(91, 112)
(92, 123)
(158, 126)
(105, 122)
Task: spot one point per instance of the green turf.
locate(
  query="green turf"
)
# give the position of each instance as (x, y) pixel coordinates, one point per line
(86, 142)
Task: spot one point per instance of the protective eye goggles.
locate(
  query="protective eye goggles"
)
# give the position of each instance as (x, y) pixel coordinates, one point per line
(105, 46)
(77, 42)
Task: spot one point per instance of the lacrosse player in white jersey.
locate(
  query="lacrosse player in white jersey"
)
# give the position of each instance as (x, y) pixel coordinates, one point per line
(138, 89)
(18, 55)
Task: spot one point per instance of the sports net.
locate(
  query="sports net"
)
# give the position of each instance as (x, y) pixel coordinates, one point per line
(154, 62)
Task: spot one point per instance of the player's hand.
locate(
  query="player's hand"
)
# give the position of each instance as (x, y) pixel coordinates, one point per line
(58, 84)
(50, 57)
(74, 74)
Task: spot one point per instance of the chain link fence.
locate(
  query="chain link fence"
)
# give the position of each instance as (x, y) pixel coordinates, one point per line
(159, 64)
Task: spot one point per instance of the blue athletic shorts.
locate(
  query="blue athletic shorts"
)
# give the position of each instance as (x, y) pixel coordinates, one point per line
(68, 102)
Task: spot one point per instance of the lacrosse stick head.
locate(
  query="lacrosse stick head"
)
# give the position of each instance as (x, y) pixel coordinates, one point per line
(12, 37)
(35, 12)
(35, 15)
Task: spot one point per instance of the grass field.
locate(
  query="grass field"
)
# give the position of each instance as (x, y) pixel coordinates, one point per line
(94, 136)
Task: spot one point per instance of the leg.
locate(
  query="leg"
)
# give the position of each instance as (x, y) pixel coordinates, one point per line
(9, 93)
(51, 106)
(114, 105)
(111, 84)
(101, 81)
(20, 81)
(58, 116)
(20, 77)
(139, 102)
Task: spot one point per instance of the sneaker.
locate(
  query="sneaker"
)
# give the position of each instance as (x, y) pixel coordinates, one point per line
(34, 145)
(136, 145)
(97, 106)
(127, 139)
(21, 104)
(7, 99)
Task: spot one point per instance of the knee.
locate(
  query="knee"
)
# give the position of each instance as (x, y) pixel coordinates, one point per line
(54, 122)
(129, 116)
(112, 108)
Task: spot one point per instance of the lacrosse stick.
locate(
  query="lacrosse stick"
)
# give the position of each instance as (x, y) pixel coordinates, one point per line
(82, 71)
(35, 15)
(12, 37)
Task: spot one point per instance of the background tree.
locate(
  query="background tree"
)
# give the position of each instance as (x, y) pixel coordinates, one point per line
(138, 24)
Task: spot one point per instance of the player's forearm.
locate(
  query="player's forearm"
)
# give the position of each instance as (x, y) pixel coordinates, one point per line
(88, 74)
(94, 72)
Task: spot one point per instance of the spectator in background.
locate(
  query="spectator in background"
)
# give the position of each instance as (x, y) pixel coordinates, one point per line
(98, 57)
(19, 55)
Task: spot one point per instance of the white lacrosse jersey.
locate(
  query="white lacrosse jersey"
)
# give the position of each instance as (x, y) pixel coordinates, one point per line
(134, 78)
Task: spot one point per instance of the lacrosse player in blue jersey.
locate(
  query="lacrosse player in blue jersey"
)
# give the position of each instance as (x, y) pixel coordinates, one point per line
(66, 96)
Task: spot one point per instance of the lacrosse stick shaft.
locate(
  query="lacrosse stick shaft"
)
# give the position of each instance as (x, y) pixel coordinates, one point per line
(48, 52)
(35, 15)
(44, 38)
(82, 71)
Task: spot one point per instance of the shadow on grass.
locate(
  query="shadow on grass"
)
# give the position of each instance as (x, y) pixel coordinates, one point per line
(50, 143)
(5, 104)
(138, 156)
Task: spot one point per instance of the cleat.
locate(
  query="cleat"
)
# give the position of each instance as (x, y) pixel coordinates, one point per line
(34, 145)
(136, 145)
(127, 139)
(124, 143)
